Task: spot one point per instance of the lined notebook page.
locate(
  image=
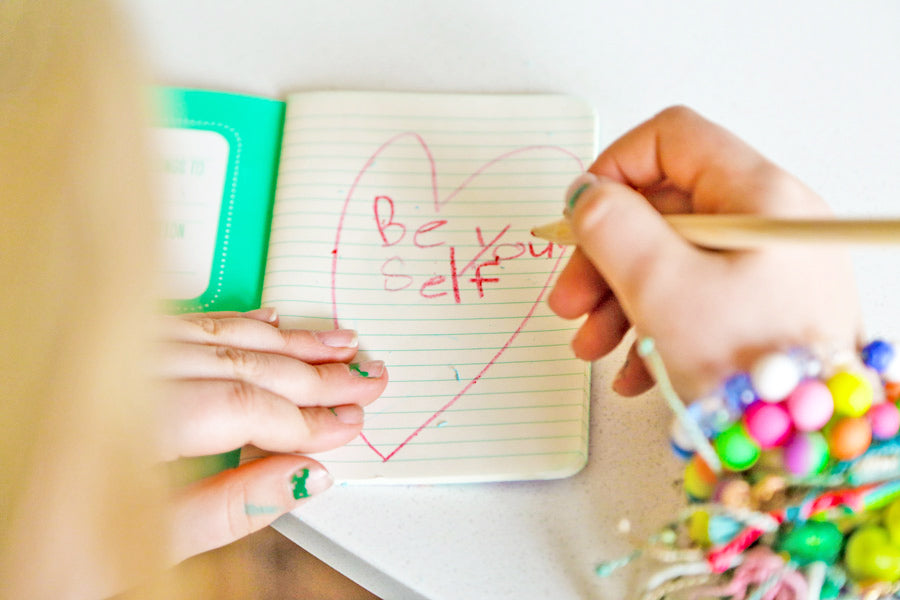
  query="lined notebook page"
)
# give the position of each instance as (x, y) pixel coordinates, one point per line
(407, 218)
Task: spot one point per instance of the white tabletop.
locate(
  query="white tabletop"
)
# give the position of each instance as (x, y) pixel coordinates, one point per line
(814, 85)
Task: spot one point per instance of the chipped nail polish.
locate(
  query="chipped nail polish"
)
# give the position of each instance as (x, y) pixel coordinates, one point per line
(371, 369)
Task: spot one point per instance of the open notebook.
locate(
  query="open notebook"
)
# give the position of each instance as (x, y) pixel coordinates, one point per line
(407, 218)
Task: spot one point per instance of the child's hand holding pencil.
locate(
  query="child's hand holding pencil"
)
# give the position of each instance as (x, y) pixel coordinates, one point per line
(711, 313)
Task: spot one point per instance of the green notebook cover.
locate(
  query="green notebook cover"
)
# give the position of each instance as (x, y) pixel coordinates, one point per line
(218, 157)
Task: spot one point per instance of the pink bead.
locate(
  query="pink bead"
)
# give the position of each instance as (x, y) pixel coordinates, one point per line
(810, 405)
(885, 420)
(768, 424)
(805, 454)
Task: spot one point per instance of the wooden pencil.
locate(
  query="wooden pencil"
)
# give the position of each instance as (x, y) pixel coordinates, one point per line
(734, 232)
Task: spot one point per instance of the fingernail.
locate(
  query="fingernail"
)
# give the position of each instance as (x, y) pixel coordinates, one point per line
(371, 369)
(268, 314)
(338, 338)
(621, 374)
(309, 482)
(577, 188)
(351, 414)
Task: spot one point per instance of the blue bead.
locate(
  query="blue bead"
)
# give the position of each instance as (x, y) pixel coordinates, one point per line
(722, 529)
(878, 355)
(739, 392)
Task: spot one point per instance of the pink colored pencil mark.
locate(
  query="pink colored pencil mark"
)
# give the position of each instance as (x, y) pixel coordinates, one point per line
(484, 248)
(438, 203)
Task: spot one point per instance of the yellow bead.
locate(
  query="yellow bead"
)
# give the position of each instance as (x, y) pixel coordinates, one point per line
(699, 480)
(698, 528)
(852, 394)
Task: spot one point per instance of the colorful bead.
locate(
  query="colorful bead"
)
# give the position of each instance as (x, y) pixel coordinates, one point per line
(733, 493)
(768, 490)
(712, 415)
(885, 420)
(892, 370)
(813, 541)
(774, 376)
(849, 437)
(768, 424)
(810, 405)
(892, 391)
(806, 454)
(739, 392)
(698, 528)
(680, 441)
(878, 355)
(699, 480)
(736, 449)
(875, 384)
(852, 394)
(871, 556)
(809, 364)
(722, 529)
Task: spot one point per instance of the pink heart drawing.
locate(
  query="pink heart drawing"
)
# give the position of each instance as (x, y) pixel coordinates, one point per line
(389, 213)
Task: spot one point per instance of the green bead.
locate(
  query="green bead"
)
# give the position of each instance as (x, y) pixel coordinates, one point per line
(871, 556)
(813, 541)
(736, 449)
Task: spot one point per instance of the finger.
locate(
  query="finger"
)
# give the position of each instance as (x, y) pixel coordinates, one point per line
(629, 243)
(633, 378)
(667, 199)
(601, 332)
(336, 345)
(676, 144)
(330, 384)
(250, 453)
(213, 416)
(266, 314)
(721, 172)
(228, 506)
(578, 289)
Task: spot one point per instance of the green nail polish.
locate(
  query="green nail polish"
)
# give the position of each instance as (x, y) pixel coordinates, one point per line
(570, 205)
(298, 484)
(368, 368)
(355, 368)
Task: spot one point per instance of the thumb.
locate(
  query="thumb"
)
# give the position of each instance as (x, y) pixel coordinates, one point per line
(225, 507)
(626, 239)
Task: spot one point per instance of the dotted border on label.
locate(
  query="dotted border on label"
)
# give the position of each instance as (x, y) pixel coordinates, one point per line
(229, 210)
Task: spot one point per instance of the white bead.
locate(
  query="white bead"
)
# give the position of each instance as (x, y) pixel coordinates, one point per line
(892, 371)
(774, 376)
(874, 379)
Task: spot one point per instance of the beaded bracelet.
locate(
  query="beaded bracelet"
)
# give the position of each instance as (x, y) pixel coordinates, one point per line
(792, 478)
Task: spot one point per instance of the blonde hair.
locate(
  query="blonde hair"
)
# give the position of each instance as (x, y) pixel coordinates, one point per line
(79, 499)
